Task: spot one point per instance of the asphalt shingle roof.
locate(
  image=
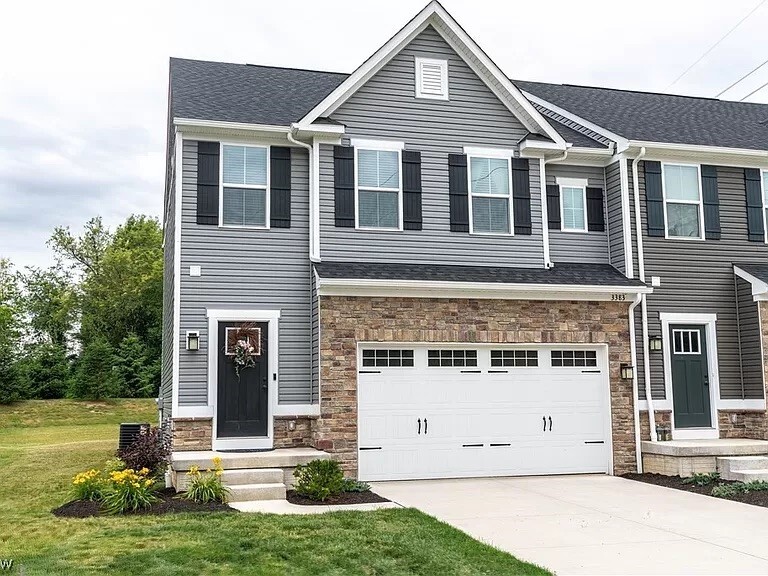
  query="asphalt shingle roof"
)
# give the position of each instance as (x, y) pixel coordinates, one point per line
(759, 271)
(561, 274)
(245, 93)
(662, 117)
(574, 137)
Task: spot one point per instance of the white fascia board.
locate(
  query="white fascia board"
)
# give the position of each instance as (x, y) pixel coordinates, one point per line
(221, 125)
(759, 288)
(530, 146)
(447, 289)
(434, 14)
(318, 130)
(699, 149)
(478, 151)
(372, 144)
(621, 142)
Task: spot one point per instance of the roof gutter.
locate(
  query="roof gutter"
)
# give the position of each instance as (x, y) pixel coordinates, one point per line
(314, 196)
(643, 302)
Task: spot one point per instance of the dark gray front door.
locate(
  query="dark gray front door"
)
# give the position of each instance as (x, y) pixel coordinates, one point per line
(690, 376)
(243, 399)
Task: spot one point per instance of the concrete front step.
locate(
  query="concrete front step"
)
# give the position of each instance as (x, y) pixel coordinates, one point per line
(732, 464)
(279, 458)
(249, 492)
(240, 476)
(749, 475)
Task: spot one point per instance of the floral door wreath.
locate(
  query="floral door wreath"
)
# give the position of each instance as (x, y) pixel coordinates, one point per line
(243, 345)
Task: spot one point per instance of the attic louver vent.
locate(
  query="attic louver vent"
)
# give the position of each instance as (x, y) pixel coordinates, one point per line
(431, 78)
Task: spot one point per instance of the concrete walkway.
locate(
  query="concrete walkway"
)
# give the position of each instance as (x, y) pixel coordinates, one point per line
(597, 524)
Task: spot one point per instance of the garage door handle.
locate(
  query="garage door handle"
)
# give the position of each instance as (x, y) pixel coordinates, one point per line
(595, 442)
(419, 421)
(370, 448)
(550, 423)
(545, 422)
(425, 425)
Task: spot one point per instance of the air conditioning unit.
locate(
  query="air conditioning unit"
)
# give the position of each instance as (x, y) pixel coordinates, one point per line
(129, 431)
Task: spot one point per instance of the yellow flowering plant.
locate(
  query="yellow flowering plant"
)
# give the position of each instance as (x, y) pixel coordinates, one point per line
(205, 487)
(129, 490)
(88, 485)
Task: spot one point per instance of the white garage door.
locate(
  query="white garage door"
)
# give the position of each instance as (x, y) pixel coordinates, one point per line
(451, 412)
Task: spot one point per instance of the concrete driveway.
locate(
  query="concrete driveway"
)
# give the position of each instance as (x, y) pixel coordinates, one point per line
(597, 524)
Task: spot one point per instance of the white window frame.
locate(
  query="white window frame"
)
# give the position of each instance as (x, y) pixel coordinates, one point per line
(495, 154)
(700, 202)
(682, 331)
(573, 183)
(223, 185)
(380, 146)
(443, 64)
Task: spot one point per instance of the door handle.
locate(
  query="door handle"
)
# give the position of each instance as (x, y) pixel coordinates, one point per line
(419, 421)
(425, 425)
(550, 423)
(706, 380)
(545, 422)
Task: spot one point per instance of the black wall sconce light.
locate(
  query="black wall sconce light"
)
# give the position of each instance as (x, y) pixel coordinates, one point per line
(627, 372)
(655, 343)
(193, 340)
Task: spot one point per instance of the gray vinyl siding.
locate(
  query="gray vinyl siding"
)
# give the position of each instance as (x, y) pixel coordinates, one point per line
(613, 217)
(169, 245)
(385, 107)
(587, 247)
(697, 277)
(247, 269)
(750, 340)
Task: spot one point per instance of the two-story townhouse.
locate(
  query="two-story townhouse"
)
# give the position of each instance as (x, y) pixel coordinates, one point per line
(429, 270)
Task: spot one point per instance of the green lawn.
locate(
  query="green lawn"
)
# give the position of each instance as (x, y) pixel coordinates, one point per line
(44, 443)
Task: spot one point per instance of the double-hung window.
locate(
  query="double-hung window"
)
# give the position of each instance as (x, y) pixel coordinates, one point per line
(682, 200)
(573, 204)
(379, 188)
(490, 191)
(244, 184)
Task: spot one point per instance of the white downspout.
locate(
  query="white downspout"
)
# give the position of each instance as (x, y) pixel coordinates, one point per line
(313, 212)
(543, 193)
(635, 383)
(643, 302)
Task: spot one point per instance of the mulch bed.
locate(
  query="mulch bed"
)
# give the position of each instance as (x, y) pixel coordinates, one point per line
(168, 503)
(367, 497)
(759, 498)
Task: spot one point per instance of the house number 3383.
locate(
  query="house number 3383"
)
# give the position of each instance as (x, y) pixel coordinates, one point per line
(618, 297)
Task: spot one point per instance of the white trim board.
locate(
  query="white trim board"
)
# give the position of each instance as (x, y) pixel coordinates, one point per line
(759, 288)
(178, 190)
(436, 16)
(709, 321)
(271, 317)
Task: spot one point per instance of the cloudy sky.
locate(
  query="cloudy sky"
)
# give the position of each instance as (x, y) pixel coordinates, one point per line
(83, 85)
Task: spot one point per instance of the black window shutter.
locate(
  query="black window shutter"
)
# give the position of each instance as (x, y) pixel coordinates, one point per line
(595, 210)
(207, 183)
(711, 202)
(344, 185)
(280, 187)
(521, 196)
(553, 206)
(411, 190)
(654, 198)
(755, 223)
(458, 192)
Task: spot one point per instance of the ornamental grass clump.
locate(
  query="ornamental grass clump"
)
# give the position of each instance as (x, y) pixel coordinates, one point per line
(205, 487)
(129, 491)
(88, 485)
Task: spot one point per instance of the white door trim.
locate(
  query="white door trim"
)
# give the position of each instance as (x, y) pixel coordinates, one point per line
(271, 317)
(709, 321)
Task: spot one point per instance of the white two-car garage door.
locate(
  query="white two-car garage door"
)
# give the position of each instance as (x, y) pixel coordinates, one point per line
(451, 412)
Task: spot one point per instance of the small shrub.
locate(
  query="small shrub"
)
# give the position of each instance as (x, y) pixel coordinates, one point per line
(129, 491)
(319, 479)
(114, 465)
(755, 486)
(702, 479)
(736, 488)
(352, 485)
(151, 450)
(207, 487)
(88, 485)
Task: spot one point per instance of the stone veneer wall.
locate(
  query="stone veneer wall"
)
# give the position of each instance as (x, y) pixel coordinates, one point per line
(344, 321)
(197, 433)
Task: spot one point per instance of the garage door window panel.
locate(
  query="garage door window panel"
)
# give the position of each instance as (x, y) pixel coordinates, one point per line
(452, 358)
(388, 358)
(514, 358)
(574, 359)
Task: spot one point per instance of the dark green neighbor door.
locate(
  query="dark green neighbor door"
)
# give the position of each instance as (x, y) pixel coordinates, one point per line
(690, 376)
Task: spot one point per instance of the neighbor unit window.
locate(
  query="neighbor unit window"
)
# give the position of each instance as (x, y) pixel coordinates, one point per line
(244, 186)
(489, 187)
(574, 208)
(452, 358)
(378, 188)
(388, 358)
(583, 358)
(514, 358)
(682, 194)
